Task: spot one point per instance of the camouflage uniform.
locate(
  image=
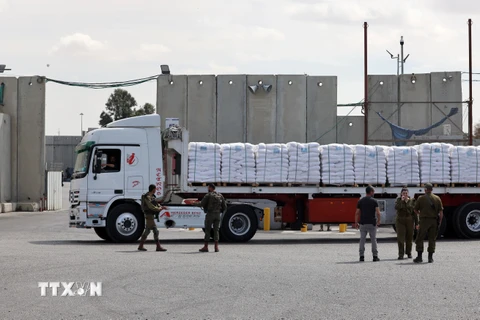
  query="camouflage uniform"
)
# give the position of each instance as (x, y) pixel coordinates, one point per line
(213, 204)
(428, 220)
(150, 210)
(405, 221)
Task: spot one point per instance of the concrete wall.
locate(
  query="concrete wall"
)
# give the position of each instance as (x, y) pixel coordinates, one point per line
(321, 109)
(5, 155)
(423, 102)
(60, 151)
(231, 108)
(350, 129)
(223, 109)
(24, 102)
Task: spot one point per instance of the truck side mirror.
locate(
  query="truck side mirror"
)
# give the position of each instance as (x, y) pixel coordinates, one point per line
(98, 163)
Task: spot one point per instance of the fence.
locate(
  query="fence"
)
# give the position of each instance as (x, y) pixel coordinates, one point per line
(54, 190)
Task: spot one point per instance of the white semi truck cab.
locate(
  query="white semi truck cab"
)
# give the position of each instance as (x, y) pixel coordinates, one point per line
(115, 166)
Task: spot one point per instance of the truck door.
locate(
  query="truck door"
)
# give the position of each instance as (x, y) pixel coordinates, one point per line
(136, 165)
(110, 182)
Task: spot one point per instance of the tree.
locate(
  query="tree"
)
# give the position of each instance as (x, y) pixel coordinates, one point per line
(120, 105)
(147, 108)
(476, 131)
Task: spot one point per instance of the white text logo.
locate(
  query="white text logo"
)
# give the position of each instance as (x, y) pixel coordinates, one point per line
(71, 289)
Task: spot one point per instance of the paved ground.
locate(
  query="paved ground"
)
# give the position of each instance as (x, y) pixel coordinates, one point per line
(277, 275)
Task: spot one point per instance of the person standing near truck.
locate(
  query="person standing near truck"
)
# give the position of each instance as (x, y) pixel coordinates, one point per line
(430, 209)
(150, 209)
(404, 223)
(213, 204)
(367, 217)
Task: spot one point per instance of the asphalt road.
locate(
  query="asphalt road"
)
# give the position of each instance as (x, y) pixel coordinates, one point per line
(277, 275)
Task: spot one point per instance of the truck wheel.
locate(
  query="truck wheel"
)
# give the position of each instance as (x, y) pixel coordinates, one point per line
(468, 220)
(239, 224)
(102, 233)
(456, 222)
(125, 223)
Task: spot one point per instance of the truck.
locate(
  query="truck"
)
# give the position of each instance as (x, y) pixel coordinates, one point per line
(116, 164)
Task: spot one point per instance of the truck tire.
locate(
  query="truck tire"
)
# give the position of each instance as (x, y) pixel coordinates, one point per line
(102, 233)
(125, 223)
(468, 220)
(456, 222)
(239, 224)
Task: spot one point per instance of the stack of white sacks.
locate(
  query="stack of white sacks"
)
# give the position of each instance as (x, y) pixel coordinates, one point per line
(304, 164)
(370, 163)
(204, 160)
(272, 163)
(434, 160)
(402, 166)
(465, 164)
(337, 164)
(238, 163)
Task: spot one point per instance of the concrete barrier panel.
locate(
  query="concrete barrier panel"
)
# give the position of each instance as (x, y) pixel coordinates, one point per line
(321, 109)
(261, 109)
(291, 108)
(5, 159)
(202, 108)
(350, 129)
(446, 87)
(31, 139)
(231, 108)
(10, 98)
(172, 98)
(383, 98)
(415, 115)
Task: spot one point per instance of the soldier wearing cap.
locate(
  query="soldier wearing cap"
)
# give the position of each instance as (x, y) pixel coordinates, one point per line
(429, 207)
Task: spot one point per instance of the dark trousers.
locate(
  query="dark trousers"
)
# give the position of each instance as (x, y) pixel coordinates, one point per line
(404, 228)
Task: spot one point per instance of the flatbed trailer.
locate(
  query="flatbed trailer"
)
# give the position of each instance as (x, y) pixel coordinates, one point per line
(109, 200)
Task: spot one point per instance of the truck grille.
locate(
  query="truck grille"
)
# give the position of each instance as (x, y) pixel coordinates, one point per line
(74, 197)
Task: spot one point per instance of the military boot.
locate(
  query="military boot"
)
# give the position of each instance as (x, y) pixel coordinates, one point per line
(142, 242)
(418, 259)
(430, 257)
(205, 248)
(216, 246)
(159, 247)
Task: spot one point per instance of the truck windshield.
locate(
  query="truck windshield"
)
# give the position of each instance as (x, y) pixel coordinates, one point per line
(83, 157)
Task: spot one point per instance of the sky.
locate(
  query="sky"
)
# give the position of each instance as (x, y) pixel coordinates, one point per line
(116, 40)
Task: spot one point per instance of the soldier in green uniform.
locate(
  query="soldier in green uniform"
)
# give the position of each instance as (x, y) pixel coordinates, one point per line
(213, 204)
(430, 209)
(150, 210)
(405, 221)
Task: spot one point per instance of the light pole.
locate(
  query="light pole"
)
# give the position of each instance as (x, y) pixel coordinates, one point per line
(81, 124)
(4, 68)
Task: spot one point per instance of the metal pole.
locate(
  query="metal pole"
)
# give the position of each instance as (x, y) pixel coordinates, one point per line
(365, 102)
(401, 50)
(470, 98)
(81, 124)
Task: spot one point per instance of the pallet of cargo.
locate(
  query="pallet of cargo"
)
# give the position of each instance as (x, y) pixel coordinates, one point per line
(438, 185)
(465, 185)
(204, 184)
(303, 184)
(237, 184)
(271, 184)
(362, 185)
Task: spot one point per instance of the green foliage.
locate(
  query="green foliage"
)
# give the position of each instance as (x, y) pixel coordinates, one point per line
(120, 105)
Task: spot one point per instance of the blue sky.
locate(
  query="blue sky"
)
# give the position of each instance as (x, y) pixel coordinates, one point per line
(114, 40)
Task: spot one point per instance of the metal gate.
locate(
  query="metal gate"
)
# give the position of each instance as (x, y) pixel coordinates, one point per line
(54, 190)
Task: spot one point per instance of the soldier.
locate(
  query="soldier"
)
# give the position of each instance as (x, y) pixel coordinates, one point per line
(150, 209)
(406, 219)
(213, 204)
(430, 209)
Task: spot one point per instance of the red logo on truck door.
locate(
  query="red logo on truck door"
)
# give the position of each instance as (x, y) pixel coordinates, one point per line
(132, 159)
